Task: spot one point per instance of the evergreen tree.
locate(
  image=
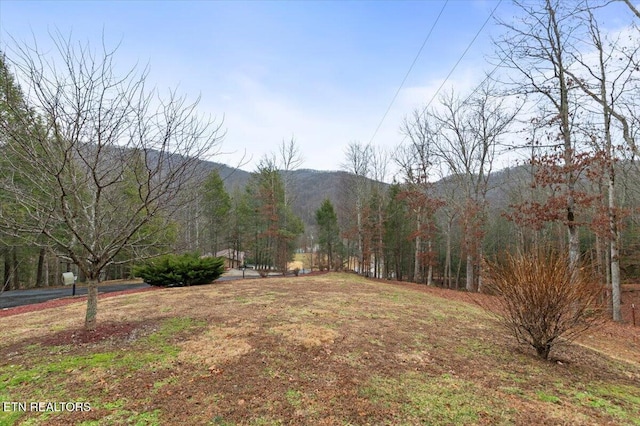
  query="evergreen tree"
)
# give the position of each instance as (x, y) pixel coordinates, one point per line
(217, 206)
(398, 228)
(328, 235)
(273, 225)
(16, 120)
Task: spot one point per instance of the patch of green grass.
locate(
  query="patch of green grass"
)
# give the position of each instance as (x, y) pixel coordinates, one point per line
(623, 393)
(57, 327)
(545, 397)
(378, 315)
(470, 347)
(70, 363)
(394, 296)
(242, 299)
(376, 342)
(436, 400)
(48, 374)
(618, 401)
(437, 316)
(167, 381)
(163, 354)
(272, 373)
(172, 326)
(147, 418)
(161, 343)
(118, 403)
(8, 418)
(220, 421)
(512, 378)
(58, 366)
(512, 390)
(265, 421)
(294, 397)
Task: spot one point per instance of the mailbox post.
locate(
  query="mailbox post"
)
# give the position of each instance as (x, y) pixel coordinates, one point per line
(68, 278)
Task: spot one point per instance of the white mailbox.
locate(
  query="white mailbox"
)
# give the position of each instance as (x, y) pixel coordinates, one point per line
(68, 278)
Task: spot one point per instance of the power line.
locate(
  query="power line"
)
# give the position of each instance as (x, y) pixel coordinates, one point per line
(409, 71)
(456, 65)
(460, 60)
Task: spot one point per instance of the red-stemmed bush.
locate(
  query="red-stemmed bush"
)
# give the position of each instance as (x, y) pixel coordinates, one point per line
(540, 300)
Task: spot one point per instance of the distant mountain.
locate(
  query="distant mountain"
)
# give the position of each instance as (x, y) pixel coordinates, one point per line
(233, 178)
(309, 187)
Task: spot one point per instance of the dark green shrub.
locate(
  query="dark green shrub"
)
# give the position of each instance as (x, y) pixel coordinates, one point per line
(180, 270)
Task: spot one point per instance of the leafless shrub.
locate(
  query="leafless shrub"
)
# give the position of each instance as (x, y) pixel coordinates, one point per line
(539, 302)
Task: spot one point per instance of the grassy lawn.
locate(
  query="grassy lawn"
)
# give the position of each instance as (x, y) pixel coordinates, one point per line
(332, 349)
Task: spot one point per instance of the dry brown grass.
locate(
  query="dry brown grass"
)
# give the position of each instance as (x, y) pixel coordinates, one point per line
(217, 345)
(306, 335)
(334, 349)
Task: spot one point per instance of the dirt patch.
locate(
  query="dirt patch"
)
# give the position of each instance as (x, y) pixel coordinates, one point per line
(104, 331)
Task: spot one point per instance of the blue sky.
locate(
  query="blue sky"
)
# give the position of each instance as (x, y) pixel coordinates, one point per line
(322, 72)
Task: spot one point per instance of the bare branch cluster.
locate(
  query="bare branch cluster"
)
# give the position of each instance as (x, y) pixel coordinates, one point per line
(540, 302)
(102, 163)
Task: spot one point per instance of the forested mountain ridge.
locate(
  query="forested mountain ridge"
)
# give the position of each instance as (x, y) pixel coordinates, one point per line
(311, 187)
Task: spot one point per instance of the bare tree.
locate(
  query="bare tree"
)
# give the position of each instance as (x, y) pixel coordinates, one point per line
(607, 79)
(289, 159)
(536, 47)
(632, 7)
(416, 160)
(358, 163)
(379, 163)
(470, 130)
(103, 173)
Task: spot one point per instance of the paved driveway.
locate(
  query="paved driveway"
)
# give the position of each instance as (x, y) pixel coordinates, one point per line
(10, 299)
(13, 298)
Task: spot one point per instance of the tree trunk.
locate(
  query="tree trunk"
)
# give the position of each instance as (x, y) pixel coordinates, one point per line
(447, 261)
(574, 247)
(47, 272)
(360, 240)
(416, 264)
(382, 263)
(92, 305)
(14, 268)
(479, 278)
(6, 281)
(40, 271)
(459, 271)
(430, 270)
(599, 262)
(615, 258)
(469, 271)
